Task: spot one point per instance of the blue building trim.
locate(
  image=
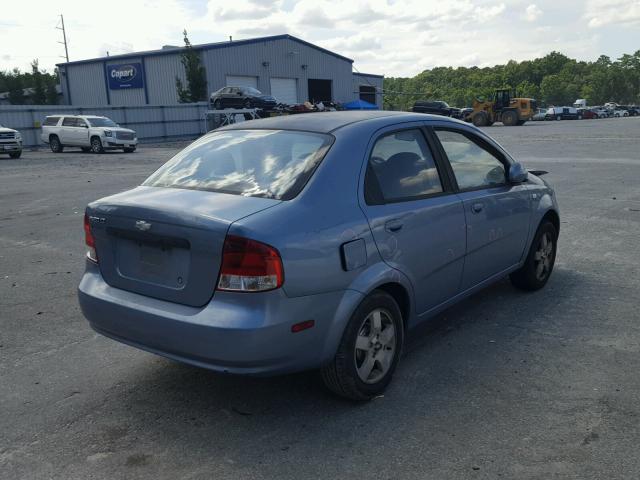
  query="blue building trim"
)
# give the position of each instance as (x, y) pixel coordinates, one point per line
(144, 81)
(106, 82)
(209, 46)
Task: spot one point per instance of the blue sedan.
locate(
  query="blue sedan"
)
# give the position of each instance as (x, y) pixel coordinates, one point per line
(313, 241)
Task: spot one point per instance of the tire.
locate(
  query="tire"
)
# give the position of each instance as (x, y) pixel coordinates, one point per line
(521, 122)
(247, 103)
(217, 105)
(85, 149)
(510, 118)
(129, 150)
(558, 117)
(480, 119)
(55, 145)
(15, 154)
(579, 117)
(537, 268)
(96, 145)
(363, 373)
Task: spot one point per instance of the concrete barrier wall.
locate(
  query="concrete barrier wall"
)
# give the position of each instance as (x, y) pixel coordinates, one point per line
(153, 123)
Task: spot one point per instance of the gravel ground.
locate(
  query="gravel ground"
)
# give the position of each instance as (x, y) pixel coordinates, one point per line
(504, 385)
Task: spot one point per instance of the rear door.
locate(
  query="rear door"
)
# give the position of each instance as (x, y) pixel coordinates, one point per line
(497, 212)
(416, 219)
(68, 130)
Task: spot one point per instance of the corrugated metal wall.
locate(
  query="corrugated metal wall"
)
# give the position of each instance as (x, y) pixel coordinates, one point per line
(151, 122)
(281, 58)
(373, 81)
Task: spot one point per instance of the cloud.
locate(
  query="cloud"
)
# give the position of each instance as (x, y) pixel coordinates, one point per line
(532, 13)
(603, 13)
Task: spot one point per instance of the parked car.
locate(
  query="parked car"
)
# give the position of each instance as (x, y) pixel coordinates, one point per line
(313, 241)
(241, 97)
(587, 113)
(620, 112)
(634, 110)
(540, 114)
(435, 107)
(10, 142)
(90, 133)
(601, 112)
(562, 113)
(464, 114)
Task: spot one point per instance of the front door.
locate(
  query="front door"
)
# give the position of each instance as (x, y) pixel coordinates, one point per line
(416, 219)
(497, 212)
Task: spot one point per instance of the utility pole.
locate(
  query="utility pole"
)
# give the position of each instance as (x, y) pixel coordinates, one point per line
(64, 38)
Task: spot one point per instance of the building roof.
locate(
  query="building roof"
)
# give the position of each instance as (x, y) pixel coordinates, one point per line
(373, 75)
(207, 46)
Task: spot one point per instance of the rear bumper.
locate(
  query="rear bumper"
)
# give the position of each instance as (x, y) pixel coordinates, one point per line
(235, 333)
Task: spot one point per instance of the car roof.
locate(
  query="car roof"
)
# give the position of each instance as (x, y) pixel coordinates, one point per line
(326, 122)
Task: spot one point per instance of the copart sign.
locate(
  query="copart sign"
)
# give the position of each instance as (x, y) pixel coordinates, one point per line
(126, 75)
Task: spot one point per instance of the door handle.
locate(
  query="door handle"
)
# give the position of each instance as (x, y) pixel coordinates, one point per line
(393, 226)
(477, 207)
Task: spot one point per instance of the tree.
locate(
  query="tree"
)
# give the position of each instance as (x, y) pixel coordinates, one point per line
(15, 86)
(38, 97)
(195, 89)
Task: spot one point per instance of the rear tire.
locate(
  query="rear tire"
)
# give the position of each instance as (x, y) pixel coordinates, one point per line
(369, 350)
(15, 154)
(96, 145)
(537, 268)
(247, 103)
(55, 145)
(510, 118)
(217, 105)
(481, 119)
(558, 117)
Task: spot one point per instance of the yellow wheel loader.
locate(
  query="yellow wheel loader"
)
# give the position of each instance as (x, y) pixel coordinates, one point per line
(502, 108)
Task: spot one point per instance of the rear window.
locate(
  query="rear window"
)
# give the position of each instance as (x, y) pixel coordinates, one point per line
(257, 163)
(49, 121)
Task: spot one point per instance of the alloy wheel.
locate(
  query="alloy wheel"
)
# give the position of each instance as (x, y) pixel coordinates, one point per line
(375, 346)
(544, 256)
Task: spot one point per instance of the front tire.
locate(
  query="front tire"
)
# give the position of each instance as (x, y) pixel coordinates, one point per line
(55, 145)
(96, 145)
(247, 103)
(15, 154)
(369, 350)
(537, 268)
(510, 118)
(129, 150)
(217, 105)
(480, 119)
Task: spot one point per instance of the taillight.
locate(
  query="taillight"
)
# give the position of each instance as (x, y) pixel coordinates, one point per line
(89, 240)
(249, 266)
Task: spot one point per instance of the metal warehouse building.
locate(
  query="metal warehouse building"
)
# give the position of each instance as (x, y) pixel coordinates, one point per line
(290, 69)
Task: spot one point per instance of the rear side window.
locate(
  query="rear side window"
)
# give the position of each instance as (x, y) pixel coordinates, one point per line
(401, 168)
(69, 122)
(50, 121)
(258, 163)
(473, 165)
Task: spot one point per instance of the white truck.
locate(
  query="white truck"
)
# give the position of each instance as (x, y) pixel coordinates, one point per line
(580, 103)
(90, 133)
(10, 142)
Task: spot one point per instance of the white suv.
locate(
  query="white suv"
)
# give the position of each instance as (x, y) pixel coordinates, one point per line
(10, 142)
(90, 133)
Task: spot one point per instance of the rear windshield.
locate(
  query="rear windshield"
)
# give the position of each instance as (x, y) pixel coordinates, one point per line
(257, 163)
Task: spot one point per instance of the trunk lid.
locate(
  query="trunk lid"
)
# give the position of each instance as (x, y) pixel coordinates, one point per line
(166, 242)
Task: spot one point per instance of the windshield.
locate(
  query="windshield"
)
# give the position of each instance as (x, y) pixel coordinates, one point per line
(101, 122)
(258, 163)
(251, 91)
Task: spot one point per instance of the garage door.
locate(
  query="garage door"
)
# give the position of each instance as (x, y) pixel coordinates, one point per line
(285, 90)
(240, 81)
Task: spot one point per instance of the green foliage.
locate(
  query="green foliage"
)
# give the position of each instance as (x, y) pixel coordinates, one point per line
(195, 89)
(554, 79)
(42, 83)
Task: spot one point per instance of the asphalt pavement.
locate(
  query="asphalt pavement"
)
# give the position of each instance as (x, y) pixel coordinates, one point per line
(506, 384)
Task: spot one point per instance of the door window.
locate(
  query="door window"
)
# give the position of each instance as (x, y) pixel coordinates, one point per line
(401, 168)
(473, 165)
(69, 122)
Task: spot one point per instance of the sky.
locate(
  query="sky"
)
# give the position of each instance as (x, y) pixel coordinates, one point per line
(390, 37)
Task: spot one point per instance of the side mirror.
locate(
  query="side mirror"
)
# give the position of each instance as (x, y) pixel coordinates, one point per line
(517, 173)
